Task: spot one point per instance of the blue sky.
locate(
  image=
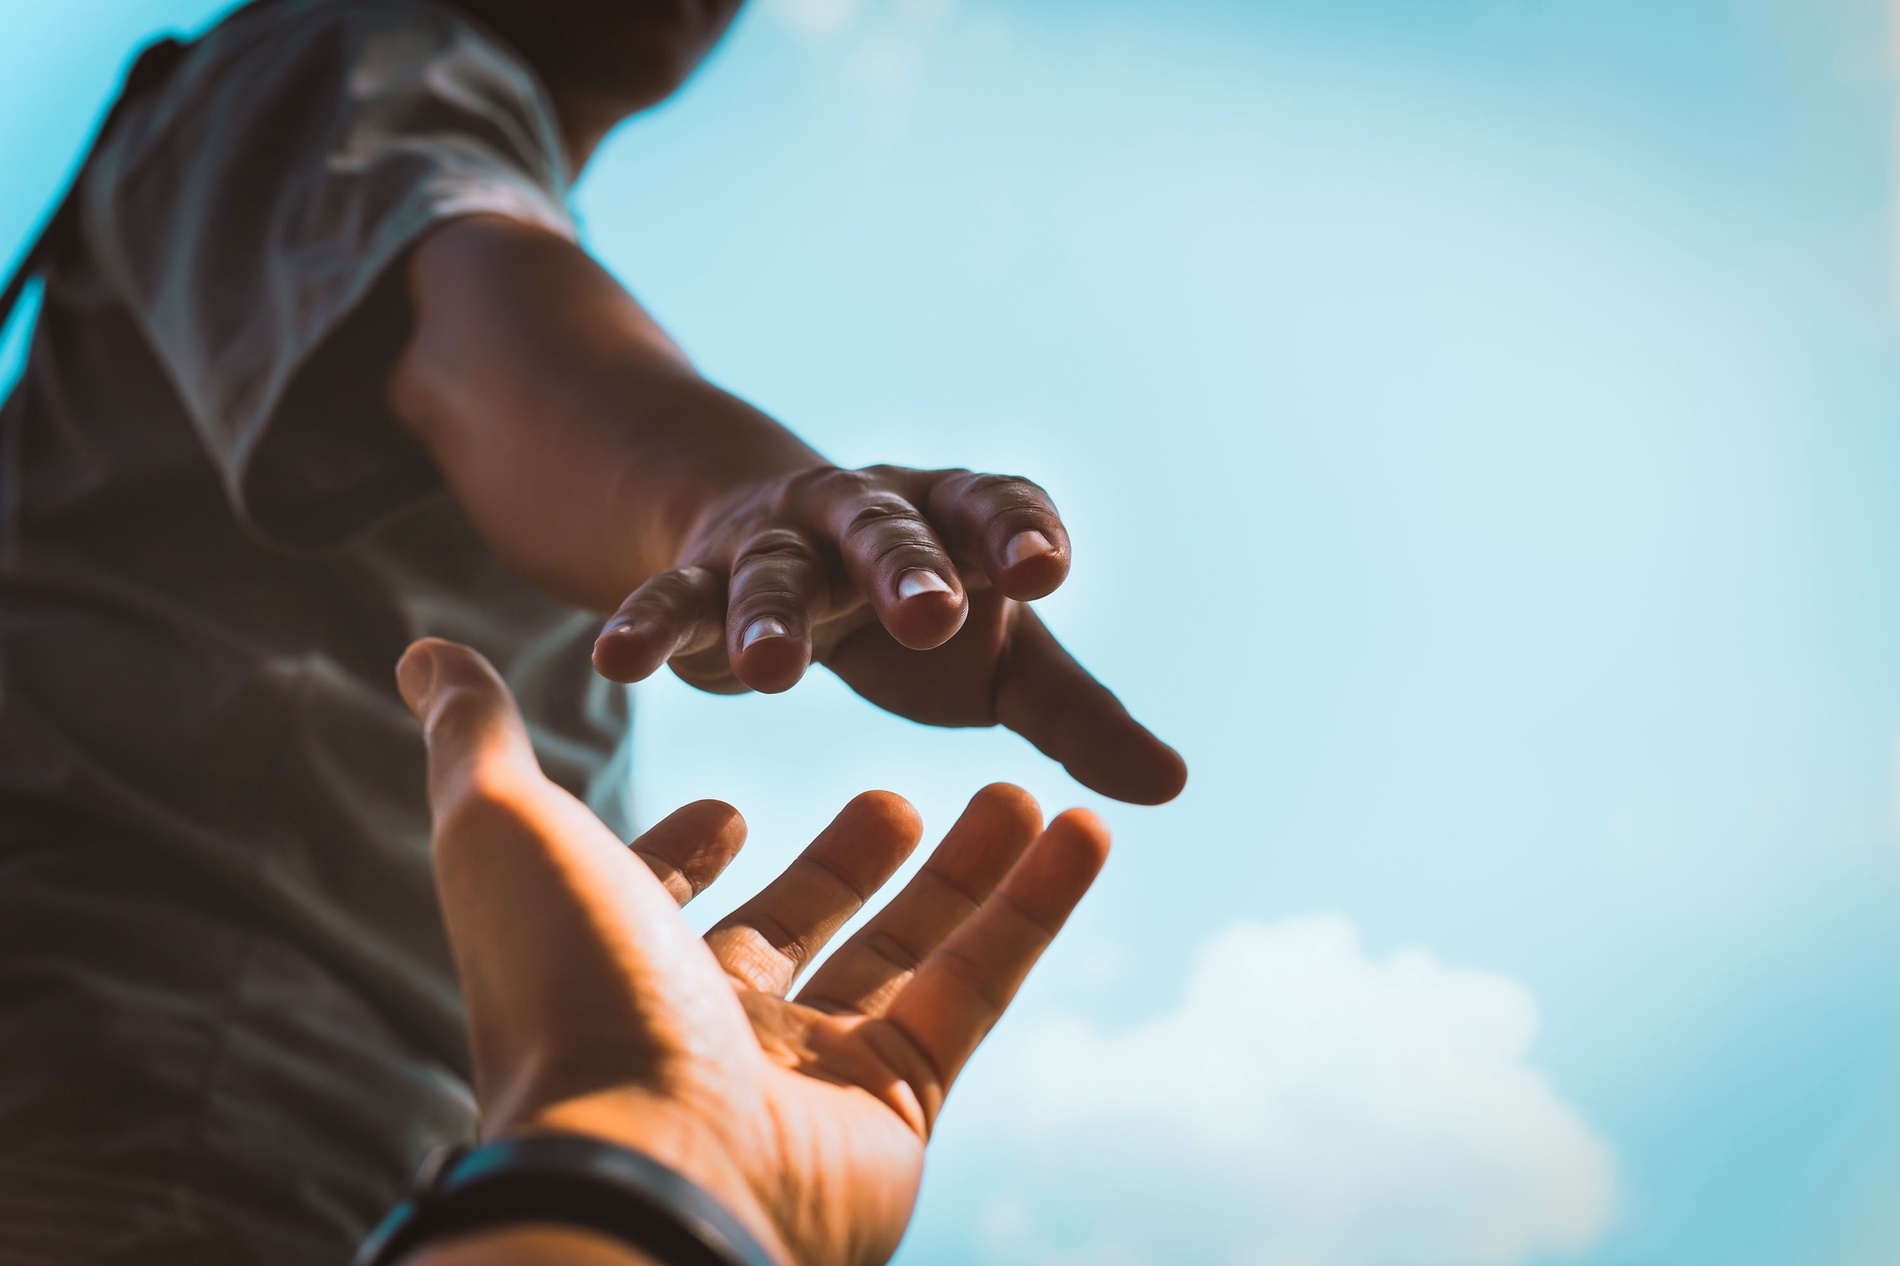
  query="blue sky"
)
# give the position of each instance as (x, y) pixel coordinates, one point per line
(1474, 417)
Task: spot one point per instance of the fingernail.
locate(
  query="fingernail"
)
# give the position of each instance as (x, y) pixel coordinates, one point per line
(912, 583)
(764, 626)
(1026, 545)
(415, 677)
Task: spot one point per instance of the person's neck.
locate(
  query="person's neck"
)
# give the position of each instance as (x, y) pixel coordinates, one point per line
(585, 119)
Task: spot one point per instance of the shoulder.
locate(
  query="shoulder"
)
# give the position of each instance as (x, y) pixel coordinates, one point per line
(315, 85)
(316, 60)
(288, 27)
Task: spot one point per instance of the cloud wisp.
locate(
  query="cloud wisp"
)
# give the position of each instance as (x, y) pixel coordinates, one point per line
(817, 19)
(880, 46)
(1306, 1105)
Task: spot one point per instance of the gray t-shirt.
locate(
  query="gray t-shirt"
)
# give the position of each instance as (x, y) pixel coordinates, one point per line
(215, 540)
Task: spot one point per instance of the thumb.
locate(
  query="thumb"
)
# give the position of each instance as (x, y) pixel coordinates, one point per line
(577, 970)
(478, 740)
(469, 720)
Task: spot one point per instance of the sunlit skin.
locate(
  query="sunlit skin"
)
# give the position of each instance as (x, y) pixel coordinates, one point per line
(593, 1007)
(601, 466)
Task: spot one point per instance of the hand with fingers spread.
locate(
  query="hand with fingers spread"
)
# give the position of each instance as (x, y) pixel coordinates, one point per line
(593, 1008)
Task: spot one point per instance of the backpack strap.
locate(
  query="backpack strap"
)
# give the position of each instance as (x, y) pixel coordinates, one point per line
(154, 65)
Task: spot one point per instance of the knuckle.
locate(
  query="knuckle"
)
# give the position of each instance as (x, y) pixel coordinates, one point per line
(824, 485)
(776, 547)
(787, 604)
(890, 950)
(883, 524)
(782, 579)
(751, 956)
(974, 977)
(986, 496)
(986, 481)
(674, 589)
(885, 475)
(1008, 491)
(919, 1068)
(461, 717)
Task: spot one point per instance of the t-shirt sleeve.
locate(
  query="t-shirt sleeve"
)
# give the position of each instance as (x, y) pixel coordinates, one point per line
(249, 215)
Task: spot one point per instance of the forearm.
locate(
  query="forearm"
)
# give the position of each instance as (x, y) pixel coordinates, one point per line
(531, 1246)
(578, 439)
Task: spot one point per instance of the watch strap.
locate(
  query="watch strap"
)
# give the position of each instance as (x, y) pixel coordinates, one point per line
(572, 1180)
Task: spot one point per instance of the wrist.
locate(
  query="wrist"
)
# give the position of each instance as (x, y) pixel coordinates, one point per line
(469, 1204)
(749, 486)
(723, 453)
(682, 1141)
(530, 1246)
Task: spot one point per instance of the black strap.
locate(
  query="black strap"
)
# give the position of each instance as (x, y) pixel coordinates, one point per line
(569, 1180)
(154, 65)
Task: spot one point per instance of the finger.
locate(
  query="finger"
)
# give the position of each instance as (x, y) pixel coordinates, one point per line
(890, 552)
(778, 589)
(978, 851)
(475, 734)
(1049, 699)
(1008, 526)
(577, 969)
(688, 848)
(676, 612)
(959, 992)
(766, 942)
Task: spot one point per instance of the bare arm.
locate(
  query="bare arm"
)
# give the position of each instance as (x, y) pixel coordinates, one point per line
(576, 435)
(598, 465)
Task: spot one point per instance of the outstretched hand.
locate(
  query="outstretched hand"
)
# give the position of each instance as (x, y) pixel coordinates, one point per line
(913, 586)
(592, 1007)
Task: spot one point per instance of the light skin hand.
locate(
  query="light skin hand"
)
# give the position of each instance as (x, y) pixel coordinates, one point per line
(601, 467)
(592, 1007)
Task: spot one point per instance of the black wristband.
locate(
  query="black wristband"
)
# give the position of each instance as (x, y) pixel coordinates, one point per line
(571, 1180)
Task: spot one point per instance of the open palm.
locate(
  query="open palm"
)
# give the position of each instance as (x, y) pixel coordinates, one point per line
(592, 1006)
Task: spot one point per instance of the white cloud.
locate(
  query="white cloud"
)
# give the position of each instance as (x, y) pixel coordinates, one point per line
(881, 47)
(1306, 1105)
(821, 19)
(817, 18)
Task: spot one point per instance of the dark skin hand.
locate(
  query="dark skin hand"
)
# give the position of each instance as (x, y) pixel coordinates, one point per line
(598, 464)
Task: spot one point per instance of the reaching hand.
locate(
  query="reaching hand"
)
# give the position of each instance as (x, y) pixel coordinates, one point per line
(592, 1007)
(912, 585)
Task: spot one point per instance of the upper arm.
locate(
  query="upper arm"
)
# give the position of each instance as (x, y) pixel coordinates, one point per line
(250, 217)
(514, 321)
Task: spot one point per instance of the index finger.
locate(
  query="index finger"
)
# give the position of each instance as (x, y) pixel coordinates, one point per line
(767, 942)
(688, 848)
